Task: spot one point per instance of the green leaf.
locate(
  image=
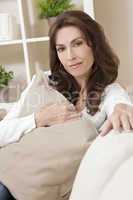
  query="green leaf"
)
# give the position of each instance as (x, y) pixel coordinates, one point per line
(5, 76)
(52, 8)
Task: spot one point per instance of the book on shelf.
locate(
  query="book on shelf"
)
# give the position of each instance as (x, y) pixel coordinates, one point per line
(8, 27)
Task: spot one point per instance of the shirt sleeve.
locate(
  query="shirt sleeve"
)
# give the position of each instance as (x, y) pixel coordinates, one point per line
(12, 127)
(113, 95)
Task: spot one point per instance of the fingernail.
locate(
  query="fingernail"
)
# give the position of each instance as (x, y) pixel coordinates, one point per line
(102, 134)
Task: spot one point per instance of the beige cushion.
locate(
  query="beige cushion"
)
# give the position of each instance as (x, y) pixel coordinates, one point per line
(40, 94)
(43, 164)
(39, 166)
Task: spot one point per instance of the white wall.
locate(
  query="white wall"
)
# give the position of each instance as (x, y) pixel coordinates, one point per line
(88, 6)
(116, 17)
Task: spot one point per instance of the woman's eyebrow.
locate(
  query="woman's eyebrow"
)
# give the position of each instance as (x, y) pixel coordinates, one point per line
(59, 45)
(71, 41)
(77, 39)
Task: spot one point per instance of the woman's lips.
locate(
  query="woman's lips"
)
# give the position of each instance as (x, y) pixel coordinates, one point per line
(76, 65)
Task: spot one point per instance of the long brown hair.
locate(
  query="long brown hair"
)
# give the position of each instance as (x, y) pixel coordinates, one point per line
(104, 70)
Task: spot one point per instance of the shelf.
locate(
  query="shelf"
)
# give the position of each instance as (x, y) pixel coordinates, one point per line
(37, 39)
(10, 42)
(29, 40)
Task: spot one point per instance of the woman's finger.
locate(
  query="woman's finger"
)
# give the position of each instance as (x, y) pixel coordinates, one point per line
(74, 115)
(115, 120)
(107, 126)
(131, 122)
(71, 107)
(130, 116)
(125, 123)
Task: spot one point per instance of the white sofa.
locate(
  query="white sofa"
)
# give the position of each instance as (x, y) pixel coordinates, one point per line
(106, 171)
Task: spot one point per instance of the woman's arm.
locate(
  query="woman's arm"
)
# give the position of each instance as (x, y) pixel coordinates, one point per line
(12, 127)
(114, 94)
(11, 130)
(119, 109)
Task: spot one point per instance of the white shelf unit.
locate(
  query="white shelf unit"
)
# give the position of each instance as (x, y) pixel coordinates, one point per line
(28, 40)
(33, 36)
(2, 43)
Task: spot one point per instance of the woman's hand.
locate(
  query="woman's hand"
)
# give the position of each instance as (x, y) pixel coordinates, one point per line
(56, 113)
(122, 117)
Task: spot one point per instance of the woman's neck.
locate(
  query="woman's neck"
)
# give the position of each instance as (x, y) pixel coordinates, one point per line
(82, 83)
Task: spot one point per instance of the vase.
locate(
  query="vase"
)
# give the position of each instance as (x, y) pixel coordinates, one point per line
(51, 21)
(4, 94)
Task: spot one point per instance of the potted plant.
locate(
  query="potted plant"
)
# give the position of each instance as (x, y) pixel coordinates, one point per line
(49, 9)
(5, 77)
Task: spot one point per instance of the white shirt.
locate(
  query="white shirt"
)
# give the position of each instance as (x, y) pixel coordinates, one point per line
(12, 127)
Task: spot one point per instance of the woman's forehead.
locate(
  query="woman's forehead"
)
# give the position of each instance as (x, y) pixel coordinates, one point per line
(67, 34)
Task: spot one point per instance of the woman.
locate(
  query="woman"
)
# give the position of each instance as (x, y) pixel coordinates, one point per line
(83, 69)
(85, 66)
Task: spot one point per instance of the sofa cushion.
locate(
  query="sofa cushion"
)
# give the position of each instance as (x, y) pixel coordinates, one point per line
(42, 162)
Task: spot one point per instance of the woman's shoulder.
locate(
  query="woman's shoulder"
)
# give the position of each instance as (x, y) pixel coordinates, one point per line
(114, 90)
(111, 88)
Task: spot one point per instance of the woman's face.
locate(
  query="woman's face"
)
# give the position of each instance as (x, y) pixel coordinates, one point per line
(73, 52)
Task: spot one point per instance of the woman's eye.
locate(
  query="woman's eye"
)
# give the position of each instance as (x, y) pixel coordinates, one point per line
(61, 49)
(78, 43)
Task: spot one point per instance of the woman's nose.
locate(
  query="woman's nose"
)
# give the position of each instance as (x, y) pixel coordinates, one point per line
(70, 54)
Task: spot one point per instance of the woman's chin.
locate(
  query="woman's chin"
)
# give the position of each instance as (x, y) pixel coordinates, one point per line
(78, 74)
